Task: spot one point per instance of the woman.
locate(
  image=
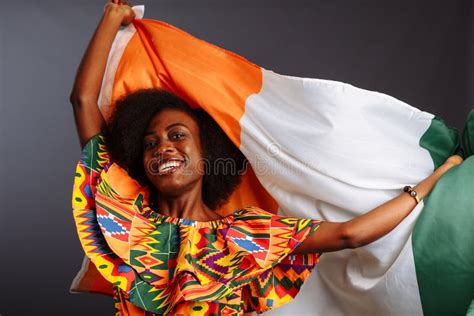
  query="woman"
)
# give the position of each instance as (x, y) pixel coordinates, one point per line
(179, 256)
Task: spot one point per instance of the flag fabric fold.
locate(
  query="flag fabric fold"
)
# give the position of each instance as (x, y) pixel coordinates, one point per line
(325, 150)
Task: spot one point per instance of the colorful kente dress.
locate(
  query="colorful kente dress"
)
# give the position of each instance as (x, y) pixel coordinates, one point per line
(170, 266)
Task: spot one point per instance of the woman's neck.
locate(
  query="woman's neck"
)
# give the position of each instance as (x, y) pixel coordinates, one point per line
(188, 205)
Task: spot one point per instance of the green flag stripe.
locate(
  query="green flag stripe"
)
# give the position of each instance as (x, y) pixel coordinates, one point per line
(443, 237)
(440, 140)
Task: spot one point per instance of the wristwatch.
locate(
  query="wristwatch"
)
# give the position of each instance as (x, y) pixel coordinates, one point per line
(408, 189)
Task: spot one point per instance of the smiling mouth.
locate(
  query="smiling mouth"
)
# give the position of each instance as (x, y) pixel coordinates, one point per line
(170, 166)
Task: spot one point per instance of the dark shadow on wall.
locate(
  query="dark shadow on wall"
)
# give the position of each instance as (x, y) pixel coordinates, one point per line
(470, 55)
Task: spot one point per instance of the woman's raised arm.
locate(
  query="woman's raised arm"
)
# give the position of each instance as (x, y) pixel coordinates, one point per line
(85, 92)
(371, 226)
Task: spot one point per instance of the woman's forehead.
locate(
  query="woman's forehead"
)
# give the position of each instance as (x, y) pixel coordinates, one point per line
(170, 118)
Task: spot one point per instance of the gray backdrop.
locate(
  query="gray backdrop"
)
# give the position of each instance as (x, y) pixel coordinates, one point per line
(418, 51)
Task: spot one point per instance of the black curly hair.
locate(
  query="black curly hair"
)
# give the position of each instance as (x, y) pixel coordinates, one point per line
(124, 140)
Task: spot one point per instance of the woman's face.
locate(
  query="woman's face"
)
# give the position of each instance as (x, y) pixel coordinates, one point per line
(172, 154)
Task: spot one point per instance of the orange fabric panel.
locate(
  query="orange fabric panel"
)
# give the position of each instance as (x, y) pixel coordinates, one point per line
(93, 282)
(249, 193)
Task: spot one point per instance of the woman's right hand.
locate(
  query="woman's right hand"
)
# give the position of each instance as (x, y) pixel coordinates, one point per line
(121, 7)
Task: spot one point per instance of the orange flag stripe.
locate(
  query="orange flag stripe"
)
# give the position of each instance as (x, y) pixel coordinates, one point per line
(197, 71)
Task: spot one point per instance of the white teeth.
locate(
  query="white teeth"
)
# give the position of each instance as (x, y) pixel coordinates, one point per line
(168, 165)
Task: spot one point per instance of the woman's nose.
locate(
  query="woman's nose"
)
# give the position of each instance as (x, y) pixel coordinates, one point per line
(164, 148)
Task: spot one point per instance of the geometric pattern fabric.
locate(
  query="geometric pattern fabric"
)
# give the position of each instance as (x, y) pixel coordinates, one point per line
(167, 266)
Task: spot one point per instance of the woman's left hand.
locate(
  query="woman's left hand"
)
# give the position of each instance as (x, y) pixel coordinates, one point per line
(452, 161)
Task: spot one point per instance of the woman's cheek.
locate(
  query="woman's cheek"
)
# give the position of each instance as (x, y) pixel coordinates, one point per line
(150, 166)
(201, 167)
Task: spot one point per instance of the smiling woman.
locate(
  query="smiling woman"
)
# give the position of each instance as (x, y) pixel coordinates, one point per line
(159, 240)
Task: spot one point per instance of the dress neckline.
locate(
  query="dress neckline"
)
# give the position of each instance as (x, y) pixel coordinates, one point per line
(157, 217)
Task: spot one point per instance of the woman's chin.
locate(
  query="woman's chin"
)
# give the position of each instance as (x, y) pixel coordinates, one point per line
(173, 186)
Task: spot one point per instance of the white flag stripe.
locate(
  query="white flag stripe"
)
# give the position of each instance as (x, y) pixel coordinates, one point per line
(280, 121)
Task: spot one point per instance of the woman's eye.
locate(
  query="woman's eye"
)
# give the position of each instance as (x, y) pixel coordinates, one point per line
(149, 144)
(177, 136)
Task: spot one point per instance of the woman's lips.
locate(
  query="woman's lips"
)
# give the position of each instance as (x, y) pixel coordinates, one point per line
(170, 166)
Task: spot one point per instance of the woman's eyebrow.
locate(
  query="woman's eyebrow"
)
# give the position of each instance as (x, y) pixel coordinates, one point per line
(147, 133)
(176, 124)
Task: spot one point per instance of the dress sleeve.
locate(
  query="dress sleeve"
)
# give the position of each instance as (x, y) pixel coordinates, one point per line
(273, 275)
(105, 204)
(94, 159)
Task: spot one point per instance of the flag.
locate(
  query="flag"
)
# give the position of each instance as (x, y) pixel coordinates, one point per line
(325, 150)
